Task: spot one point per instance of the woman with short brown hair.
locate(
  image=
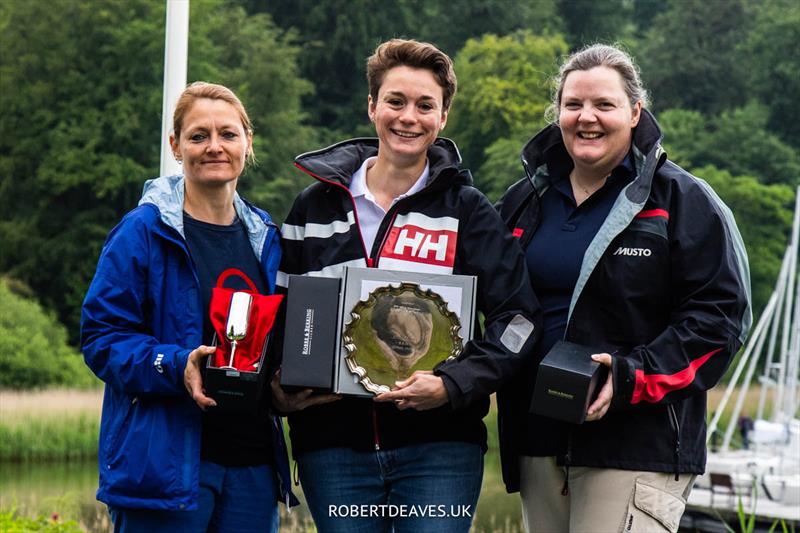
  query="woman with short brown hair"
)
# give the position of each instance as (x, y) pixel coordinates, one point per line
(412, 460)
(168, 462)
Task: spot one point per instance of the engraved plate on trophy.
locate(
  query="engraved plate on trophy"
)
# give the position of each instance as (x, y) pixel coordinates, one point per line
(397, 331)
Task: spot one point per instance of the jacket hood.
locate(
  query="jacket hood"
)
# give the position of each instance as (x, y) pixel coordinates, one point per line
(167, 192)
(337, 163)
(548, 145)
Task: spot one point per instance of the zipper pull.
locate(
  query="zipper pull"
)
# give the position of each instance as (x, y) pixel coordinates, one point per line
(369, 262)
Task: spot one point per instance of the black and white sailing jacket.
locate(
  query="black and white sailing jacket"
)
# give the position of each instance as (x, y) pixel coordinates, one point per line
(448, 227)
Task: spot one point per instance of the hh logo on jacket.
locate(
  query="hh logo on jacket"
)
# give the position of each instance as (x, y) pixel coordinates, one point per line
(421, 244)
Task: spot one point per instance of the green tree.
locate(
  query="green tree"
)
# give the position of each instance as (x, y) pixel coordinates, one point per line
(260, 63)
(81, 123)
(338, 35)
(33, 347)
(738, 140)
(589, 21)
(772, 53)
(504, 91)
(689, 57)
(451, 23)
(78, 135)
(503, 166)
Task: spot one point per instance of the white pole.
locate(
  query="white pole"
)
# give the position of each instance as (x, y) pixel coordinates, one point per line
(176, 49)
(780, 288)
(787, 317)
(788, 409)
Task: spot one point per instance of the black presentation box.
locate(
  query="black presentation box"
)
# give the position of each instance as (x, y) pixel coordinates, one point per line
(567, 382)
(236, 391)
(311, 335)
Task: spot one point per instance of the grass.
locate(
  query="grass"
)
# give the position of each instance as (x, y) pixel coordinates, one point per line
(750, 402)
(11, 522)
(48, 425)
(749, 408)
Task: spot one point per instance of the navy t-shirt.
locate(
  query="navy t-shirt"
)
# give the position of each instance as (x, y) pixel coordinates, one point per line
(554, 257)
(240, 439)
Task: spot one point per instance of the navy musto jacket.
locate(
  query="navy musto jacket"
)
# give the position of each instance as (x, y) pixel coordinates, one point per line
(141, 317)
(665, 287)
(464, 235)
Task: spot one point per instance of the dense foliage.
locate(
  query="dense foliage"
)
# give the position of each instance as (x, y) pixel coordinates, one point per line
(33, 347)
(81, 94)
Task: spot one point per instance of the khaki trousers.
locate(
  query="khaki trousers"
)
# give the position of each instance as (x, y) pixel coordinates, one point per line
(600, 500)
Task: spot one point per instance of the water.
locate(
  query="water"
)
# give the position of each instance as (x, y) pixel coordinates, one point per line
(62, 490)
(68, 489)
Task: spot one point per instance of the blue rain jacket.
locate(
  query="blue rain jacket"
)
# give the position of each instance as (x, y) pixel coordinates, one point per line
(141, 317)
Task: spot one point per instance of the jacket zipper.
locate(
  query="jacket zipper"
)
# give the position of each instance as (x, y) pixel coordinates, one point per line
(383, 240)
(376, 438)
(367, 257)
(373, 263)
(677, 427)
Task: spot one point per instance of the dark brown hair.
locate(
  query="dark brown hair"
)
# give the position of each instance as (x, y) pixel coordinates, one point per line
(414, 54)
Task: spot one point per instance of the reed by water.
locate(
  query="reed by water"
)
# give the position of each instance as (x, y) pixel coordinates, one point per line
(49, 425)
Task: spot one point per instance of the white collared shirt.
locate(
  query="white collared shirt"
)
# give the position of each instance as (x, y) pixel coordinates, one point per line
(370, 214)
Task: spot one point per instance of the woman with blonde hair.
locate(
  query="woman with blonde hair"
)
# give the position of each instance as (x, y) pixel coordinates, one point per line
(169, 462)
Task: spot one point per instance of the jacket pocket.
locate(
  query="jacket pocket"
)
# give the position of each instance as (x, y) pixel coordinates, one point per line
(663, 507)
(118, 430)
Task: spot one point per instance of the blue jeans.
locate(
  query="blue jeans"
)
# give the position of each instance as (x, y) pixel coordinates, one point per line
(418, 488)
(231, 499)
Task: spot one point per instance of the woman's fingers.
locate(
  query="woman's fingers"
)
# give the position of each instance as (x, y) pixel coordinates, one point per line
(193, 378)
(421, 391)
(600, 406)
(289, 402)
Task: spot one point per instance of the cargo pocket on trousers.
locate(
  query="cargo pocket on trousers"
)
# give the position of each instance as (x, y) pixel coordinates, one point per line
(661, 506)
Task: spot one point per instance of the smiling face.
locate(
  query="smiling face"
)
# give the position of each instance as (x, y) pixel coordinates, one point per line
(213, 143)
(408, 114)
(596, 119)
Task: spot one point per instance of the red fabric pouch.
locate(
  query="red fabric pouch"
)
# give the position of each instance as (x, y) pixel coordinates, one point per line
(262, 317)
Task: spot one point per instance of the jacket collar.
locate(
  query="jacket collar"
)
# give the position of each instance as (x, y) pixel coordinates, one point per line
(167, 192)
(338, 163)
(548, 146)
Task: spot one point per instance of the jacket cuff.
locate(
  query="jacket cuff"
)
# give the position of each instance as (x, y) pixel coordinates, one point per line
(457, 398)
(623, 375)
(181, 358)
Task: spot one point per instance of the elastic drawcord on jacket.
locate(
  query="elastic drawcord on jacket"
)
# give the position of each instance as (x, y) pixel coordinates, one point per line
(567, 461)
(677, 427)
